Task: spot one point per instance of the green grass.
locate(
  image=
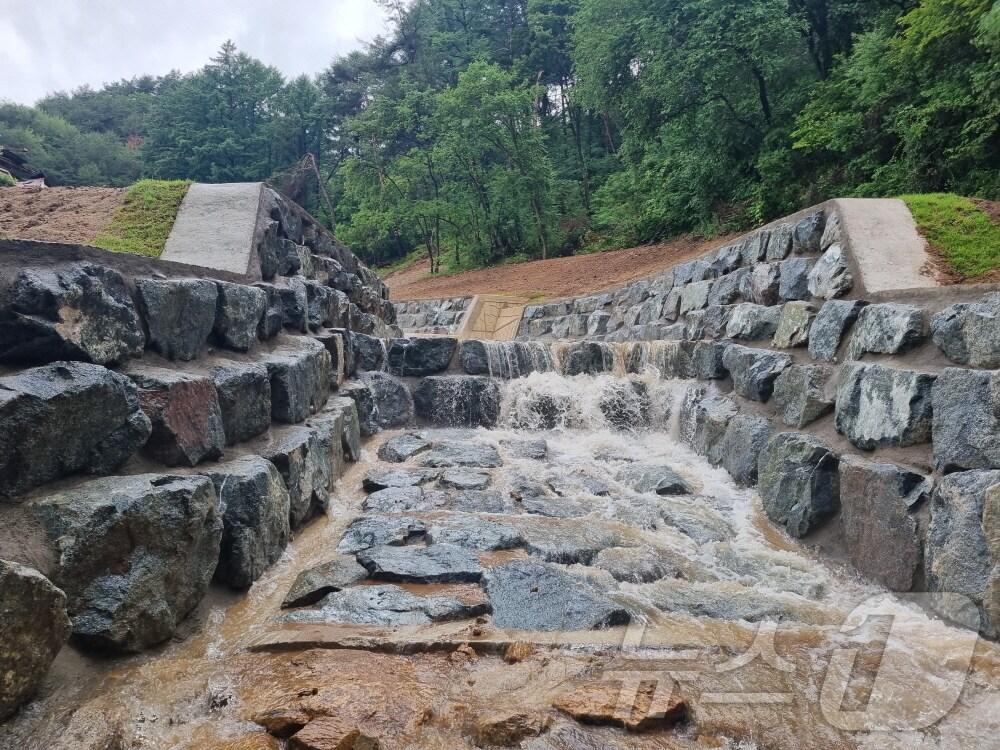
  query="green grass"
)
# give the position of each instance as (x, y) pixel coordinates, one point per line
(403, 263)
(964, 234)
(143, 222)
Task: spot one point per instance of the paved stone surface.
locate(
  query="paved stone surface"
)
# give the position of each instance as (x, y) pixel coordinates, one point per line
(436, 563)
(215, 226)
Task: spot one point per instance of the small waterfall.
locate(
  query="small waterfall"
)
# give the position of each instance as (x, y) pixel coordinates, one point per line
(514, 359)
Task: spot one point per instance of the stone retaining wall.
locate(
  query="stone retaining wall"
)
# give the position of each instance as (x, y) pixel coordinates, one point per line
(432, 316)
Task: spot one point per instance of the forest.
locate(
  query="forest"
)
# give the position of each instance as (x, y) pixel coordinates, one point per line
(480, 131)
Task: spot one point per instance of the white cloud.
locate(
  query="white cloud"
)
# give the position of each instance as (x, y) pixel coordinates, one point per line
(53, 45)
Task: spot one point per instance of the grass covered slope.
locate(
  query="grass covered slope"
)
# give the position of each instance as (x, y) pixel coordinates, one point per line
(964, 235)
(143, 222)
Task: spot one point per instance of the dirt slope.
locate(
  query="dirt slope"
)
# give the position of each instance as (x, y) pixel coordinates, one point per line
(59, 214)
(558, 277)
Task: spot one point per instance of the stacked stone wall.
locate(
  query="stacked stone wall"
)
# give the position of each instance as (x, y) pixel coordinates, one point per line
(432, 316)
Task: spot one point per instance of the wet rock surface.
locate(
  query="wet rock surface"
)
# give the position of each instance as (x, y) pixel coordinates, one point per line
(458, 401)
(799, 484)
(661, 480)
(754, 370)
(179, 315)
(390, 605)
(420, 356)
(966, 420)
(402, 447)
(969, 334)
(879, 405)
(316, 582)
(436, 563)
(476, 455)
(244, 393)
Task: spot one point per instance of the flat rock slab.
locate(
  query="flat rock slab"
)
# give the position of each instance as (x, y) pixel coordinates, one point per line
(475, 455)
(402, 448)
(473, 532)
(314, 583)
(405, 500)
(437, 563)
(533, 596)
(215, 226)
(383, 479)
(726, 600)
(562, 541)
(536, 450)
(390, 605)
(649, 478)
(465, 479)
(377, 531)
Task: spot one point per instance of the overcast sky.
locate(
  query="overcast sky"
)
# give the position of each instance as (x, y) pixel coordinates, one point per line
(57, 45)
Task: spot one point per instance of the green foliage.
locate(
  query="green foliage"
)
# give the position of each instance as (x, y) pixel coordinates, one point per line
(143, 222)
(6, 180)
(963, 233)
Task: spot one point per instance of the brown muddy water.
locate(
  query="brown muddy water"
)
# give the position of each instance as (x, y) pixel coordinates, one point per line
(765, 645)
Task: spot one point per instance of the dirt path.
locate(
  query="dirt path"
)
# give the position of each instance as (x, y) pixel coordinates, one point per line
(557, 277)
(58, 214)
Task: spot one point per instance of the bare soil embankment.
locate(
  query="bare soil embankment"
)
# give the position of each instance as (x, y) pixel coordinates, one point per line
(57, 214)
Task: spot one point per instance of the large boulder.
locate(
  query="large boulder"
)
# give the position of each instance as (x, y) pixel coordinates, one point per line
(244, 392)
(887, 328)
(435, 563)
(712, 416)
(370, 352)
(184, 411)
(878, 510)
(962, 550)
(741, 446)
(969, 334)
(800, 393)
(179, 314)
(33, 628)
(807, 234)
(966, 420)
(393, 402)
(753, 322)
(364, 406)
(798, 482)
(272, 319)
(79, 312)
(316, 582)
(754, 370)
(726, 289)
(879, 406)
(533, 596)
(347, 411)
(420, 356)
(402, 447)
(829, 326)
(588, 358)
(304, 465)
(695, 296)
(238, 312)
(505, 359)
(300, 379)
(831, 277)
(65, 418)
(794, 283)
(458, 401)
(793, 325)
(761, 286)
(255, 519)
(779, 242)
(134, 554)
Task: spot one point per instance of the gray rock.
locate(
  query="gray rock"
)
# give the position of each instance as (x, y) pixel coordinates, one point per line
(726, 289)
(480, 501)
(726, 601)
(578, 482)
(458, 401)
(966, 406)
(347, 410)
(255, 509)
(334, 343)
(244, 392)
(753, 322)
(473, 532)
(832, 233)
(420, 356)
(185, 415)
(761, 286)
(887, 328)
(316, 582)
(831, 323)
(969, 334)
(741, 446)
(505, 359)
(794, 279)
(640, 564)
(879, 406)
(709, 323)
(566, 542)
(328, 429)
(268, 250)
(755, 248)
(300, 379)
(807, 235)
(881, 533)
(370, 352)
(238, 313)
(436, 563)
(325, 307)
(33, 629)
(402, 447)
(961, 541)
(393, 402)
(711, 418)
(404, 500)
(390, 605)
(64, 418)
(798, 482)
(779, 243)
(364, 406)
(134, 555)
(305, 468)
(476, 455)
(588, 358)
(294, 296)
(381, 479)
(179, 315)
(79, 312)
(694, 518)
(532, 596)
(465, 479)
(661, 480)
(727, 259)
(366, 532)
(695, 296)
(272, 319)
(536, 450)
(800, 393)
(561, 507)
(754, 370)
(831, 277)
(793, 325)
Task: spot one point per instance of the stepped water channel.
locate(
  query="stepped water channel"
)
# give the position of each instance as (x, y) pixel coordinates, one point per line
(575, 578)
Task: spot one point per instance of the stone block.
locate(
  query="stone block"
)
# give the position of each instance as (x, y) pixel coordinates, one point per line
(695, 296)
(887, 328)
(966, 405)
(794, 283)
(299, 457)
(753, 322)
(393, 403)
(419, 357)
(741, 446)
(831, 323)
(179, 315)
(458, 401)
(807, 234)
(793, 325)
(879, 406)
(969, 334)
(762, 285)
(754, 370)
(300, 379)
(800, 393)
(831, 277)
(238, 313)
(779, 242)
(798, 482)
(244, 392)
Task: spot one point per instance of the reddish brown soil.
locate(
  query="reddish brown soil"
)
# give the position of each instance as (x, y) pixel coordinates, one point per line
(58, 214)
(554, 278)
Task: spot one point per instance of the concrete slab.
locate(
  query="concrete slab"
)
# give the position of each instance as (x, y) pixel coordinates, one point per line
(215, 226)
(492, 317)
(885, 245)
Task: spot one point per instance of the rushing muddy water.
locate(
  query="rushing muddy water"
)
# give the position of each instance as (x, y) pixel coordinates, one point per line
(767, 646)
